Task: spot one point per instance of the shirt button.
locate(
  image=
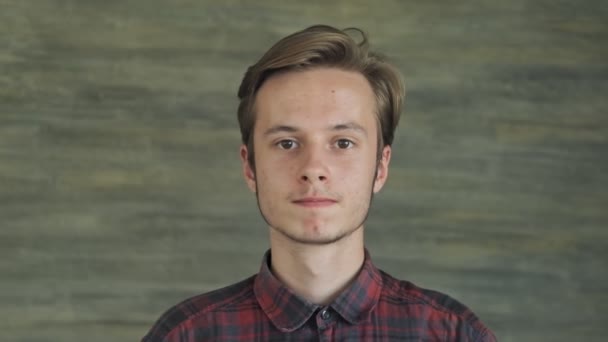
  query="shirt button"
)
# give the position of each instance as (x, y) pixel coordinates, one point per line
(325, 314)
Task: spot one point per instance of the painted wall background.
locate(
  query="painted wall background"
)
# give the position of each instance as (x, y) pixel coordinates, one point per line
(120, 185)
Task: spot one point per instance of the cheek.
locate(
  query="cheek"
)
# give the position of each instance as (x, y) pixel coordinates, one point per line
(273, 179)
(359, 168)
(276, 166)
(356, 181)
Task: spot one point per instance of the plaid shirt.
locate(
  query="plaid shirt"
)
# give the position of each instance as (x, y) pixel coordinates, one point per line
(375, 307)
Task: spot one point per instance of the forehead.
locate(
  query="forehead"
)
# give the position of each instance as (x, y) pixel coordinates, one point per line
(316, 96)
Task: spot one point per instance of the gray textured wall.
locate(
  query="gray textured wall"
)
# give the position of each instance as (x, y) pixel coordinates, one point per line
(120, 187)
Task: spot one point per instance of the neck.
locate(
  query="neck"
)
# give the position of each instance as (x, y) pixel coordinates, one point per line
(318, 273)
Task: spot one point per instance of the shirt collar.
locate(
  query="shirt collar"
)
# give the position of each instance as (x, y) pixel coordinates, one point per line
(288, 312)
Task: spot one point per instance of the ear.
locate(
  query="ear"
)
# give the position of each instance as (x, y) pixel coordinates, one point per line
(248, 171)
(382, 168)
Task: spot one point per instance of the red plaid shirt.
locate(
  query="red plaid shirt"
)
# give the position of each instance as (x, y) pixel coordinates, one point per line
(376, 307)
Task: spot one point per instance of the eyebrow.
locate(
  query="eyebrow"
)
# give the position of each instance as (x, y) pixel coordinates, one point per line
(352, 126)
(339, 127)
(279, 129)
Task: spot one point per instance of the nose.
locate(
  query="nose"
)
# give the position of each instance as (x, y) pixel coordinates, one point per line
(314, 169)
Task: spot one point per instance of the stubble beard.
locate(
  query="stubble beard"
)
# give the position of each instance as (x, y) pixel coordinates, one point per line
(318, 242)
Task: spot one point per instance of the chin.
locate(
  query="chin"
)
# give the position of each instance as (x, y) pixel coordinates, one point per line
(314, 235)
(316, 241)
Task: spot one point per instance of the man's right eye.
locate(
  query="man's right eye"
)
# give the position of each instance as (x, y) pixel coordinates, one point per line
(287, 144)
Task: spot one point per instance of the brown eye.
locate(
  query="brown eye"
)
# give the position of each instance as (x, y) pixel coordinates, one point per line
(344, 144)
(287, 144)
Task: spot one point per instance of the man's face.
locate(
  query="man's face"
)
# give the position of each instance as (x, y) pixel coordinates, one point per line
(316, 164)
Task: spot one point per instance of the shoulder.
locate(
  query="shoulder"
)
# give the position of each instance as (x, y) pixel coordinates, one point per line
(396, 290)
(433, 305)
(185, 312)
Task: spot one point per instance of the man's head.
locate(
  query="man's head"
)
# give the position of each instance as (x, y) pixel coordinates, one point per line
(319, 111)
(324, 46)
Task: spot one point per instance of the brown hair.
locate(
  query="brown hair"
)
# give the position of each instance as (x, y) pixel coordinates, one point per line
(325, 46)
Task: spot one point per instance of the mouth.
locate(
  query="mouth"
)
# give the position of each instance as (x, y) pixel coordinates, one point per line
(315, 202)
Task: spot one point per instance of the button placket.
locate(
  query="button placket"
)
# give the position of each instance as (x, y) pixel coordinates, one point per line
(325, 324)
(325, 315)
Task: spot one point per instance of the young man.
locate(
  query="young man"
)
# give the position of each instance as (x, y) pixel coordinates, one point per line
(317, 115)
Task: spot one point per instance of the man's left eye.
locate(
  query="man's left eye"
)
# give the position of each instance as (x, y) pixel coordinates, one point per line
(344, 144)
